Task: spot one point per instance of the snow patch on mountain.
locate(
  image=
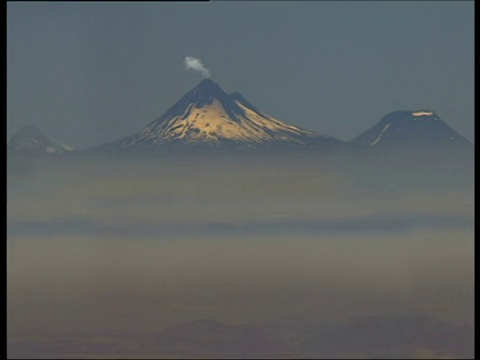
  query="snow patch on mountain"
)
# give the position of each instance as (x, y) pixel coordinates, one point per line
(381, 133)
(422, 113)
(413, 130)
(207, 115)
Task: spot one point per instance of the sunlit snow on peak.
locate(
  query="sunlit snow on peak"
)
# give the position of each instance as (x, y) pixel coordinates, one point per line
(422, 113)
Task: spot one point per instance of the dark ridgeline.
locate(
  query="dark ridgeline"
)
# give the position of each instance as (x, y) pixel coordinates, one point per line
(376, 337)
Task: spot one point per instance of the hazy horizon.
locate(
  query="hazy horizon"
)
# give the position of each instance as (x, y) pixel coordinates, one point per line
(90, 73)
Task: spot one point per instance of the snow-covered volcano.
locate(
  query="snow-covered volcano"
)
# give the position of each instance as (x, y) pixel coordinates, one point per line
(411, 129)
(31, 139)
(209, 117)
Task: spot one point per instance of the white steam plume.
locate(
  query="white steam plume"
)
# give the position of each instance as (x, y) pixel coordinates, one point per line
(192, 63)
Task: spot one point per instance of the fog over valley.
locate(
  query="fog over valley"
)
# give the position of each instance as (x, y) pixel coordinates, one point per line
(116, 247)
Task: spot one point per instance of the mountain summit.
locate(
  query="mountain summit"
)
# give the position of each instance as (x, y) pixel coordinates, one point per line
(411, 129)
(416, 138)
(209, 117)
(31, 139)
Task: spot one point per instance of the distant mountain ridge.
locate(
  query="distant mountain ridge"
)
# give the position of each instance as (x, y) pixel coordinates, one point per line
(31, 139)
(207, 118)
(398, 336)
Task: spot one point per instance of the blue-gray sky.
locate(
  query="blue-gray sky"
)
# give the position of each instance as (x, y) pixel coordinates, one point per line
(89, 73)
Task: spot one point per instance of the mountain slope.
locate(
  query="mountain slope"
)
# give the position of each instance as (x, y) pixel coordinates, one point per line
(208, 117)
(31, 139)
(408, 128)
(420, 140)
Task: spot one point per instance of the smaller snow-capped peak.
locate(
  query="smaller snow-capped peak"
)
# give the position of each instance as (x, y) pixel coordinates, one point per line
(32, 139)
(409, 128)
(407, 115)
